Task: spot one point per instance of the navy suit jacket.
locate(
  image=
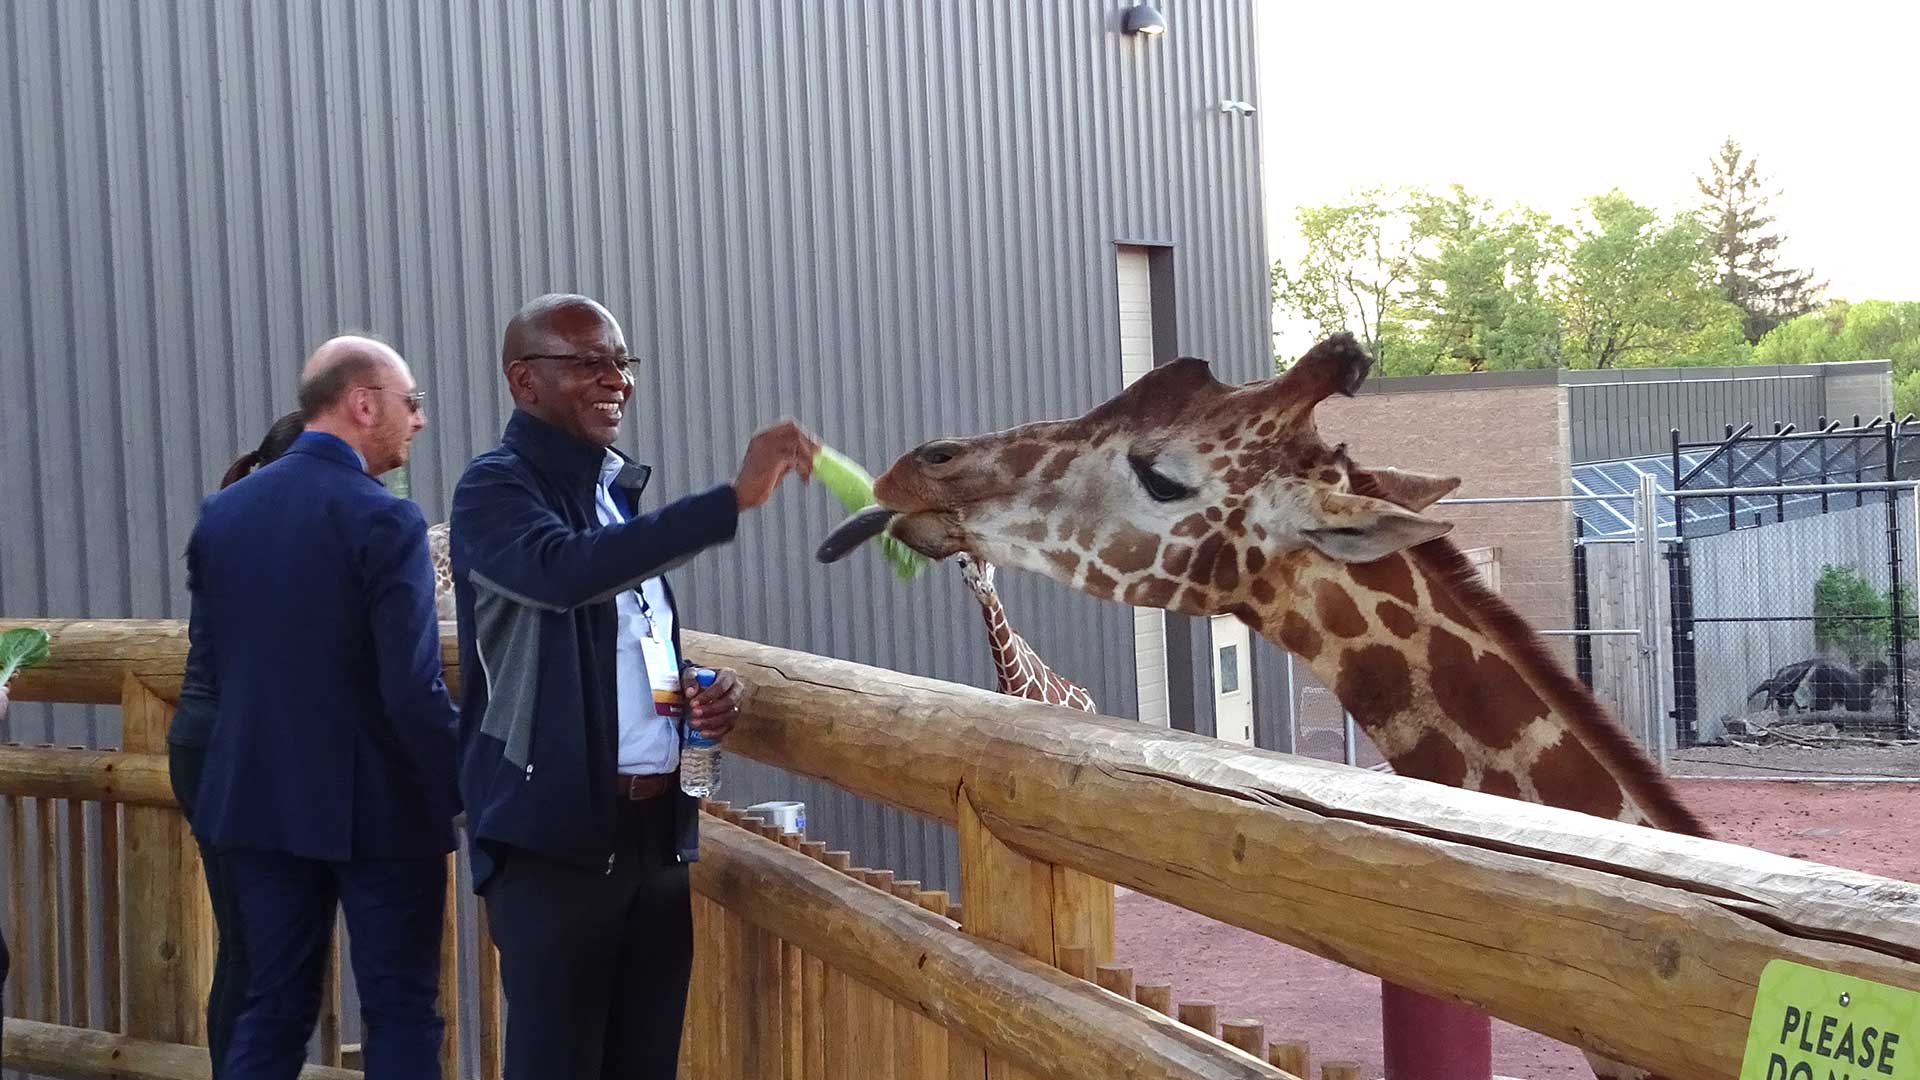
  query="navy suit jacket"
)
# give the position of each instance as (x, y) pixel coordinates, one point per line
(333, 734)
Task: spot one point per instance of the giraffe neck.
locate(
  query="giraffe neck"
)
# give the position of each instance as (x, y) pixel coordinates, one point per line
(1453, 687)
(1001, 639)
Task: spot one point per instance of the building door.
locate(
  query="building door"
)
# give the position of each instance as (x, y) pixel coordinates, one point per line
(1136, 359)
(1232, 680)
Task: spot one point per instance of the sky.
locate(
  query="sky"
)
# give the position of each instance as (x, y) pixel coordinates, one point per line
(1548, 102)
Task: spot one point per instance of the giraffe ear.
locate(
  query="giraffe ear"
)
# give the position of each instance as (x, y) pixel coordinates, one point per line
(1361, 529)
(1414, 490)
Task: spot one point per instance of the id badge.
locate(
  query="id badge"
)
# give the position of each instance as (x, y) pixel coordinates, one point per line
(663, 672)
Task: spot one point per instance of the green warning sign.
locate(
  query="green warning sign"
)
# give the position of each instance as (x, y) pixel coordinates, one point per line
(1810, 1024)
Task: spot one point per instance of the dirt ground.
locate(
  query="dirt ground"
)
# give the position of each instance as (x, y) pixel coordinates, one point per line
(1864, 827)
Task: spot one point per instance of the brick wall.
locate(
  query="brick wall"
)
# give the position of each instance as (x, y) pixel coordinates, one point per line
(1501, 440)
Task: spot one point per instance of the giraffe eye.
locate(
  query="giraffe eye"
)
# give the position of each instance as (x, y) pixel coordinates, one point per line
(1160, 487)
(937, 453)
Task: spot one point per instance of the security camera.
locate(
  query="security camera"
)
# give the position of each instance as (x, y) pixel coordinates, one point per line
(1228, 105)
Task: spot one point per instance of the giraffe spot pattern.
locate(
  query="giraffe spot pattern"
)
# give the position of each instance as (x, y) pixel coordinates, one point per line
(1203, 557)
(1434, 758)
(1153, 592)
(1100, 584)
(1065, 563)
(1226, 568)
(1486, 695)
(1131, 550)
(1174, 560)
(1033, 531)
(1255, 560)
(1499, 782)
(1192, 525)
(1263, 591)
(1445, 602)
(1392, 575)
(1375, 682)
(1252, 617)
(1057, 468)
(1299, 637)
(1398, 620)
(1337, 611)
(1020, 458)
(1567, 775)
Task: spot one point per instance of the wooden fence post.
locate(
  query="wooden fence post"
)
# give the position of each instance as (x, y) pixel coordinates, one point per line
(166, 913)
(1034, 906)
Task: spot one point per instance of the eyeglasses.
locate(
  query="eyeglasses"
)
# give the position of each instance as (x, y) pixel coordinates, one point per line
(592, 366)
(415, 401)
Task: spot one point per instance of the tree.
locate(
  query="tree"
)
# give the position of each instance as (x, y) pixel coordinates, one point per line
(1477, 302)
(1353, 270)
(1855, 619)
(1745, 252)
(1842, 332)
(1639, 292)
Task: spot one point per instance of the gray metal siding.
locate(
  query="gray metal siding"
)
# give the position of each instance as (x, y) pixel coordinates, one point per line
(1634, 418)
(891, 220)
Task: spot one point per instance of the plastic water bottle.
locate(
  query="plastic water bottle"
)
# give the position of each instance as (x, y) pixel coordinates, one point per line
(699, 755)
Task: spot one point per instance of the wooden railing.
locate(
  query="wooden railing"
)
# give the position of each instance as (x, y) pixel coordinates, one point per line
(1641, 945)
(807, 966)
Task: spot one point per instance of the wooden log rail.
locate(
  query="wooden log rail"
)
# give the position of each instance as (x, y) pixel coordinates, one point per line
(927, 972)
(1641, 945)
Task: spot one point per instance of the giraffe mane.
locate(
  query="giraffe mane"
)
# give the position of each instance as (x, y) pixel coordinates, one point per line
(1566, 695)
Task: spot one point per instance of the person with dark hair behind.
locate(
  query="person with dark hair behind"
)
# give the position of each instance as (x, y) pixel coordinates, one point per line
(279, 437)
(186, 754)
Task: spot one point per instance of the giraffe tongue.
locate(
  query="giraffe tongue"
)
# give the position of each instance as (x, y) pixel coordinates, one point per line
(851, 533)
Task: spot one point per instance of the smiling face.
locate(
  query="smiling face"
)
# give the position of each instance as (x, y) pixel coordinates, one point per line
(1181, 492)
(569, 368)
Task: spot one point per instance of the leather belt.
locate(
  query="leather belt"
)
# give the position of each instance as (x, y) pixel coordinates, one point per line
(640, 788)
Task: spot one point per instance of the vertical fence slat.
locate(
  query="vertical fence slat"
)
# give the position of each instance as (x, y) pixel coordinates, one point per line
(793, 997)
(110, 902)
(49, 912)
(17, 902)
(450, 973)
(487, 973)
(1291, 1056)
(1155, 996)
(330, 1052)
(169, 922)
(873, 1026)
(77, 936)
(705, 1021)
(1248, 1035)
(1115, 978)
(813, 991)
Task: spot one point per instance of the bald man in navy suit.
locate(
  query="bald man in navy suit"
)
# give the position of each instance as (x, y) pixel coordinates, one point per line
(329, 777)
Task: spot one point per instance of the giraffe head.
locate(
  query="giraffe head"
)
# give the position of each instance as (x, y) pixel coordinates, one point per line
(978, 574)
(1181, 492)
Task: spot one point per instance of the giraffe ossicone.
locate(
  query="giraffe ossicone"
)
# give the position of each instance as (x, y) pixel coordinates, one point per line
(1182, 492)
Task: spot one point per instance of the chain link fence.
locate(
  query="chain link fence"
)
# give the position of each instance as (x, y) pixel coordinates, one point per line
(1795, 640)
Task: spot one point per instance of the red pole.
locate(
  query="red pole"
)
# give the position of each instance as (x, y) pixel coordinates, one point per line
(1429, 1039)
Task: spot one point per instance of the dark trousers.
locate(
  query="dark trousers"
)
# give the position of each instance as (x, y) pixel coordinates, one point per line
(286, 907)
(229, 968)
(595, 963)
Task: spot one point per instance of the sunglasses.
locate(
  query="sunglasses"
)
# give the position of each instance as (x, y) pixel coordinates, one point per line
(415, 401)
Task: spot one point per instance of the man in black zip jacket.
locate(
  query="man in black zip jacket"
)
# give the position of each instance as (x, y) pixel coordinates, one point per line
(574, 693)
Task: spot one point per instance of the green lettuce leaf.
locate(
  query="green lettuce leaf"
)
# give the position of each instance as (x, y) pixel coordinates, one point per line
(852, 485)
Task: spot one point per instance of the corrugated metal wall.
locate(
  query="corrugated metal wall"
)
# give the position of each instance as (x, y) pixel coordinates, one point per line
(889, 219)
(1633, 414)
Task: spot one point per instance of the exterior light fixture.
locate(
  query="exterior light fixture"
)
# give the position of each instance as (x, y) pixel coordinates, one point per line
(1144, 18)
